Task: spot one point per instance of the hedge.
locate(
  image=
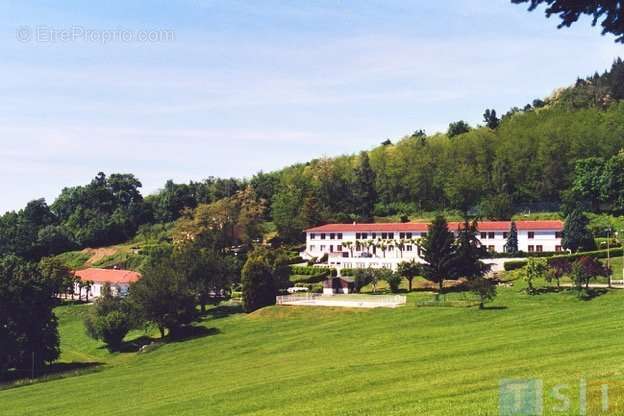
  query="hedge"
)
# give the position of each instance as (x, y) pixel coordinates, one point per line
(311, 270)
(514, 264)
(315, 278)
(597, 254)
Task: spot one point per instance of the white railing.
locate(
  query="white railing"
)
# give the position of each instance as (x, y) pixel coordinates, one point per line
(356, 298)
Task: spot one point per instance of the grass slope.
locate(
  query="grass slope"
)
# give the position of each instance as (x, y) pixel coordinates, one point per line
(317, 361)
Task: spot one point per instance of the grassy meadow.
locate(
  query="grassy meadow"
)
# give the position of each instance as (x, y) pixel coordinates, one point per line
(332, 361)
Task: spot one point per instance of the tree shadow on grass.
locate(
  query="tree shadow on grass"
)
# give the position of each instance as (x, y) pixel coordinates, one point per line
(136, 344)
(494, 308)
(223, 311)
(591, 293)
(19, 378)
(192, 332)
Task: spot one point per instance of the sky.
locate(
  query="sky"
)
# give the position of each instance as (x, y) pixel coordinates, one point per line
(187, 89)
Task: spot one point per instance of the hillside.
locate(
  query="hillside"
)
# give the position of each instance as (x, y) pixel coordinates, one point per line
(317, 361)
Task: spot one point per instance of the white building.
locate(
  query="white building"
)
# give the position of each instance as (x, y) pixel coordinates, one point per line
(387, 244)
(119, 281)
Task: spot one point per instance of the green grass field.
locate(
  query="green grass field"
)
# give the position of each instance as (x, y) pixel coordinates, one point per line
(330, 361)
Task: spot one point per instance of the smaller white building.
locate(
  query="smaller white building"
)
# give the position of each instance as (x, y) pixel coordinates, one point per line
(119, 281)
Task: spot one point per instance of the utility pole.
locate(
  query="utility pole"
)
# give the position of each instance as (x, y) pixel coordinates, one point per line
(608, 254)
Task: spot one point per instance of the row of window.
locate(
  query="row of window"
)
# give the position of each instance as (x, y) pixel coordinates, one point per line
(408, 247)
(490, 235)
(332, 236)
(358, 247)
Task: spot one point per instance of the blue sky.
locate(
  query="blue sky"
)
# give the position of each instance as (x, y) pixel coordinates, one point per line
(250, 85)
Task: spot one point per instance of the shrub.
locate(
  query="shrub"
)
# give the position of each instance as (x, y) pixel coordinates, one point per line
(514, 265)
(393, 280)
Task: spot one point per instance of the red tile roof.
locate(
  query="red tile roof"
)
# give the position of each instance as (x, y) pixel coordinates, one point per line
(108, 275)
(551, 225)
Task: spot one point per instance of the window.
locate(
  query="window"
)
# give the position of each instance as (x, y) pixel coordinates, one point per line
(391, 236)
(539, 249)
(358, 246)
(505, 235)
(384, 236)
(339, 236)
(332, 236)
(312, 236)
(401, 235)
(339, 247)
(331, 248)
(531, 234)
(558, 249)
(322, 236)
(374, 235)
(322, 247)
(483, 236)
(312, 247)
(408, 235)
(490, 235)
(559, 234)
(364, 236)
(358, 236)
(408, 247)
(531, 249)
(423, 234)
(491, 249)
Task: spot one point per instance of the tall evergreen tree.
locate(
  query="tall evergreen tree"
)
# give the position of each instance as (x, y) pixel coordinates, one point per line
(511, 246)
(439, 252)
(576, 235)
(364, 188)
(490, 119)
(469, 252)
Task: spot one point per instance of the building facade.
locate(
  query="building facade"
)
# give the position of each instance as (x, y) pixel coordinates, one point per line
(119, 281)
(388, 244)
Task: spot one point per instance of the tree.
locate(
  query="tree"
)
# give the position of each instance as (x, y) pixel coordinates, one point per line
(364, 188)
(569, 11)
(109, 320)
(484, 288)
(57, 274)
(409, 270)
(612, 181)
(496, 207)
(258, 284)
(511, 246)
(28, 327)
(535, 268)
(163, 295)
(391, 278)
(587, 268)
(588, 178)
(468, 252)
(439, 252)
(558, 268)
(208, 272)
(362, 277)
(490, 119)
(464, 188)
(576, 235)
(457, 128)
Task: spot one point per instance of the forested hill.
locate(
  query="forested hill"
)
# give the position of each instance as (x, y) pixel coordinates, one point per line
(557, 149)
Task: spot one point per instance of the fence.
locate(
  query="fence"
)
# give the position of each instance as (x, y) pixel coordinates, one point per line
(311, 298)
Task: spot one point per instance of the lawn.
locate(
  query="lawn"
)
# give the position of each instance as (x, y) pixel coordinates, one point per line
(331, 361)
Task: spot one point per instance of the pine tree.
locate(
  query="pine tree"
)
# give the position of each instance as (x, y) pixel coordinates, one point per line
(439, 252)
(490, 119)
(469, 252)
(364, 188)
(576, 235)
(511, 246)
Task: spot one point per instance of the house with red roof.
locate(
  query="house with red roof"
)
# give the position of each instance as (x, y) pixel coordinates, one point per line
(387, 244)
(119, 281)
